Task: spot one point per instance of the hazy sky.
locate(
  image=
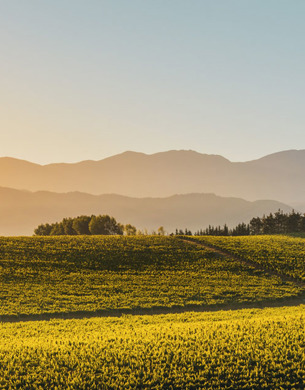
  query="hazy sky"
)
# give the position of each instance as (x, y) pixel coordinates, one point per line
(89, 79)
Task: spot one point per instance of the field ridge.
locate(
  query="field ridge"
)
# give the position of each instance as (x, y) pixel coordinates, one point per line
(156, 310)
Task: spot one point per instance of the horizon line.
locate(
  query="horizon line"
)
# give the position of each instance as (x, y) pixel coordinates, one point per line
(146, 154)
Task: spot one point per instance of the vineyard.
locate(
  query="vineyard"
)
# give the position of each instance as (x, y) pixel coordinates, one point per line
(285, 255)
(80, 273)
(233, 349)
(247, 349)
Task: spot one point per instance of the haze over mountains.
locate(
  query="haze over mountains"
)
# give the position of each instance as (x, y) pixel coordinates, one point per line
(278, 176)
(22, 211)
(174, 189)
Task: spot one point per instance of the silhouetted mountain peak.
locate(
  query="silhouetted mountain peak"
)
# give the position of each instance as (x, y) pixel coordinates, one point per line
(276, 176)
(292, 155)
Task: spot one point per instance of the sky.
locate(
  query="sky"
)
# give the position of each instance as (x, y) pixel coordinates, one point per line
(89, 79)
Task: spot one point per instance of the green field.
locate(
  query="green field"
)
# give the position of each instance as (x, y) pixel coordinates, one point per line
(282, 254)
(69, 274)
(233, 349)
(247, 349)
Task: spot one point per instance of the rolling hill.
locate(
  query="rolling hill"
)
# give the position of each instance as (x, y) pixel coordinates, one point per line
(22, 211)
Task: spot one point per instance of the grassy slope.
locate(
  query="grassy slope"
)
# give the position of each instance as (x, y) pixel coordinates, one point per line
(67, 274)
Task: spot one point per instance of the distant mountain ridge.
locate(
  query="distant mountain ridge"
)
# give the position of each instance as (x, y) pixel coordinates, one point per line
(22, 211)
(277, 176)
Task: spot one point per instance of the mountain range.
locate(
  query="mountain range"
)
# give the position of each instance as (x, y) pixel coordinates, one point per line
(22, 211)
(278, 176)
(174, 189)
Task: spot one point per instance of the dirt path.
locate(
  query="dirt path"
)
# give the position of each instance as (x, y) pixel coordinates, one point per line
(223, 252)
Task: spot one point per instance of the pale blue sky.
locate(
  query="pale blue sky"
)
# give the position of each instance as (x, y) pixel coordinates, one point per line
(89, 79)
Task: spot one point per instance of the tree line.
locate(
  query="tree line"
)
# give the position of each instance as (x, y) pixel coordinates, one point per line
(85, 225)
(277, 223)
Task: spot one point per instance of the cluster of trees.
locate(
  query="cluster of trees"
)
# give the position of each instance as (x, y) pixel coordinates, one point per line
(277, 223)
(181, 232)
(84, 224)
(241, 229)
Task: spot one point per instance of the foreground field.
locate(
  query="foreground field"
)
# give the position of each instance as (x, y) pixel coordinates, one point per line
(247, 349)
(68, 274)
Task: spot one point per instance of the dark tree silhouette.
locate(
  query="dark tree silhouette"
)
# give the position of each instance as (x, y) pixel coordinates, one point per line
(84, 224)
